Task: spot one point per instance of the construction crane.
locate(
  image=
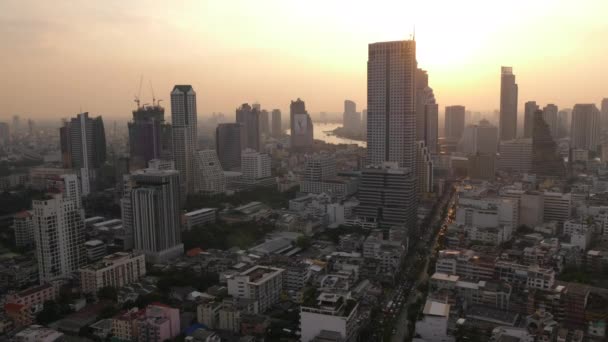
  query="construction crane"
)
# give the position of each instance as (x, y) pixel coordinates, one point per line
(141, 79)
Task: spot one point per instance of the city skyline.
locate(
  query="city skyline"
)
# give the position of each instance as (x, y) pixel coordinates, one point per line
(467, 77)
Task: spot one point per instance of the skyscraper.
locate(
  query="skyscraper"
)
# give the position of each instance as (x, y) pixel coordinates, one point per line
(149, 136)
(391, 111)
(301, 126)
(550, 117)
(83, 147)
(563, 123)
(184, 134)
(351, 120)
(230, 139)
(424, 168)
(508, 104)
(427, 112)
(546, 161)
(516, 155)
(155, 200)
(264, 122)
(277, 124)
(211, 178)
(481, 138)
(250, 119)
(604, 113)
(454, 122)
(530, 108)
(59, 229)
(585, 127)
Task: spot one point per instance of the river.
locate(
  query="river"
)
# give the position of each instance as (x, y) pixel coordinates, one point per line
(322, 131)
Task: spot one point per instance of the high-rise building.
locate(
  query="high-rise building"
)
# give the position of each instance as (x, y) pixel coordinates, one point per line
(155, 200)
(230, 139)
(23, 224)
(211, 178)
(250, 119)
(546, 161)
(604, 113)
(83, 147)
(481, 138)
(351, 120)
(391, 112)
(424, 168)
(515, 155)
(585, 127)
(482, 166)
(59, 229)
(427, 112)
(563, 123)
(364, 123)
(301, 126)
(264, 122)
(320, 176)
(530, 108)
(508, 104)
(550, 117)
(277, 125)
(255, 166)
(184, 134)
(454, 122)
(149, 136)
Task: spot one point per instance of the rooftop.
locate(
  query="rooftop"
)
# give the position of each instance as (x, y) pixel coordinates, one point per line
(259, 274)
(432, 308)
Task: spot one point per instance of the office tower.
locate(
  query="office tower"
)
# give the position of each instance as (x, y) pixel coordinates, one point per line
(264, 122)
(427, 112)
(530, 108)
(184, 134)
(508, 104)
(604, 113)
(250, 119)
(516, 155)
(585, 127)
(387, 196)
(481, 138)
(424, 168)
(211, 178)
(301, 126)
(4, 134)
(482, 166)
(351, 120)
(277, 125)
(546, 161)
(149, 136)
(230, 139)
(550, 117)
(155, 199)
(391, 112)
(364, 123)
(83, 147)
(59, 229)
(454, 122)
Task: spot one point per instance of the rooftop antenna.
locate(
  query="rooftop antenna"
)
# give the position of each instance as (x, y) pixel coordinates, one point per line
(414, 33)
(153, 97)
(141, 79)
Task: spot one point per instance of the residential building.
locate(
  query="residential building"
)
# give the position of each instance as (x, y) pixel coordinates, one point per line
(585, 127)
(149, 136)
(199, 217)
(159, 323)
(156, 215)
(260, 283)
(95, 250)
(557, 206)
(332, 312)
(277, 124)
(481, 138)
(184, 135)
(255, 167)
(320, 176)
(530, 108)
(301, 126)
(249, 118)
(230, 139)
(454, 122)
(23, 306)
(515, 155)
(115, 270)
(434, 323)
(209, 173)
(23, 225)
(427, 112)
(508, 105)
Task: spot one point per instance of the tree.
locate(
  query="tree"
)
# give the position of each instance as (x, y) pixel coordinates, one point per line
(107, 292)
(303, 242)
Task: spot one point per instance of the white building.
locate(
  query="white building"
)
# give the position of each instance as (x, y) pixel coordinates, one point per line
(115, 270)
(557, 206)
(434, 324)
(95, 249)
(255, 166)
(59, 230)
(24, 229)
(333, 313)
(199, 217)
(260, 283)
(209, 174)
(185, 140)
(515, 155)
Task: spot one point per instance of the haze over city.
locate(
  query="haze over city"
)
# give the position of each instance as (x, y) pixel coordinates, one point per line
(59, 57)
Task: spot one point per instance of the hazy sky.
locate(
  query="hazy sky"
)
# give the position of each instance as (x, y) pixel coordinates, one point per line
(59, 56)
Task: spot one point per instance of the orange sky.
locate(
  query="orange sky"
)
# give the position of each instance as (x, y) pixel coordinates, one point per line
(59, 56)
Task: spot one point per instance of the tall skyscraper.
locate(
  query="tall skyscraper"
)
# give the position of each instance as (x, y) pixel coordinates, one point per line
(391, 112)
(250, 119)
(302, 131)
(230, 140)
(264, 122)
(351, 120)
(563, 123)
(508, 104)
(530, 108)
(585, 127)
(277, 124)
(604, 113)
(550, 117)
(427, 112)
(149, 136)
(59, 229)
(184, 134)
(83, 147)
(388, 188)
(211, 178)
(155, 200)
(546, 161)
(454, 122)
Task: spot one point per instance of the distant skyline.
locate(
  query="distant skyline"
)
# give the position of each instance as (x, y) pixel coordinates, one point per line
(61, 57)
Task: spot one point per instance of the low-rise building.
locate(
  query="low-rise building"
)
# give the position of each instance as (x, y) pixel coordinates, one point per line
(260, 283)
(332, 312)
(96, 250)
(38, 333)
(434, 323)
(115, 270)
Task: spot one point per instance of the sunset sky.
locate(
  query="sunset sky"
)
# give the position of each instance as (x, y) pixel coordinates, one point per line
(59, 56)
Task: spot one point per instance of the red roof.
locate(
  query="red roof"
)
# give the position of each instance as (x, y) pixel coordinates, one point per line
(13, 307)
(23, 214)
(194, 252)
